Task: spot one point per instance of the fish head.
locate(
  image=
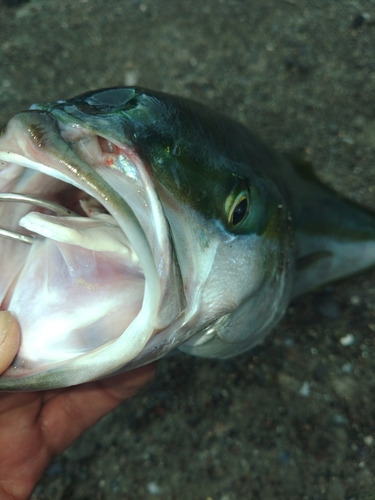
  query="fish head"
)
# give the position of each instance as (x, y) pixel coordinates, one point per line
(180, 236)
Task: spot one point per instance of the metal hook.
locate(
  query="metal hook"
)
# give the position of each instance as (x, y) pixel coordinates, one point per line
(31, 200)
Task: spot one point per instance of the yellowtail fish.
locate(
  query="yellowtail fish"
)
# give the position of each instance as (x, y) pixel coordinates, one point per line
(135, 222)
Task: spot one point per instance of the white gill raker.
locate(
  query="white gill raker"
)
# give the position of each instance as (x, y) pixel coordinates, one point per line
(99, 234)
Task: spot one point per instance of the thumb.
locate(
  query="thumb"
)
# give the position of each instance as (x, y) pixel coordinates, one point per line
(9, 339)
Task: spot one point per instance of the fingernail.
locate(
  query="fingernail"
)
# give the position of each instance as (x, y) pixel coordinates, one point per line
(9, 339)
(5, 324)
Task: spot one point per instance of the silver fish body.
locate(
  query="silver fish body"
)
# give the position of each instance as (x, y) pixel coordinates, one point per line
(187, 232)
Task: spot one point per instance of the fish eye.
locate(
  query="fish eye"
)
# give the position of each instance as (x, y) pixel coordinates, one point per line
(238, 209)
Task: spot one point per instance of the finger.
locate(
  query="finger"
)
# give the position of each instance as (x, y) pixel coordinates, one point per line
(9, 339)
(125, 385)
(70, 413)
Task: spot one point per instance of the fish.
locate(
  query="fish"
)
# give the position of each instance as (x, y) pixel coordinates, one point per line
(136, 222)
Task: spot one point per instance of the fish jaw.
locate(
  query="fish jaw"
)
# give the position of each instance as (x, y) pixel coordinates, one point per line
(102, 274)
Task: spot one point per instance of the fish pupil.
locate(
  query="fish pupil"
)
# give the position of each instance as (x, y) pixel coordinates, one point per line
(239, 212)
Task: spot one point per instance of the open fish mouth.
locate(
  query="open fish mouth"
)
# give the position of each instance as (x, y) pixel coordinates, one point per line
(88, 271)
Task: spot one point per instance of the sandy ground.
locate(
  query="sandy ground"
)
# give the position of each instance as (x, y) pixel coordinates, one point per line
(294, 419)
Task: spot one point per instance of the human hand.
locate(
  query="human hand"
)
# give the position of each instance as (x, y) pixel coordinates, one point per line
(37, 426)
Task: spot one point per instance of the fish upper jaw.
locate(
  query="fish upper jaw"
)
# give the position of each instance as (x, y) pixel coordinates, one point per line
(88, 269)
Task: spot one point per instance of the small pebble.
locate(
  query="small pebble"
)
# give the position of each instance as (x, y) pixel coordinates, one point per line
(131, 78)
(348, 340)
(348, 139)
(358, 21)
(288, 383)
(153, 488)
(339, 420)
(305, 389)
(345, 386)
(347, 368)
(355, 300)
(368, 440)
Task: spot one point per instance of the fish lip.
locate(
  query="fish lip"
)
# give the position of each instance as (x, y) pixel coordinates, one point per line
(35, 151)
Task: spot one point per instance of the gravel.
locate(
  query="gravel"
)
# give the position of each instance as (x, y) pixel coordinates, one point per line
(294, 418)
